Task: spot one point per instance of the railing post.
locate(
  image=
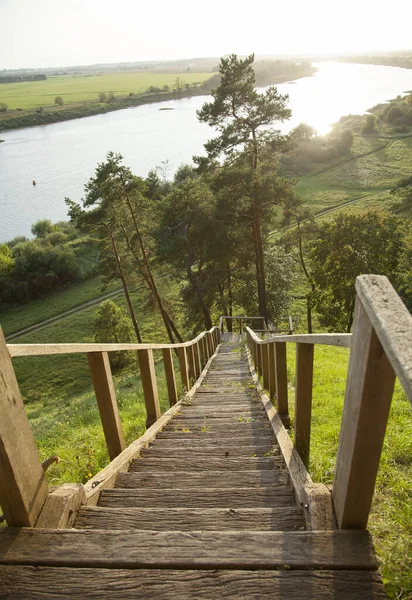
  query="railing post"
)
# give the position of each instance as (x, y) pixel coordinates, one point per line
(282, 383)
(368, 395)
(209, 342)
(23, 488)
(259, 359)
(240, 325)
(265, 366)
(184, 372)
(272, 370)
(198, 366)
(106, 401)
(149, 384)
(191, 363)
(203, 353)
(170, 375)
(303, 400)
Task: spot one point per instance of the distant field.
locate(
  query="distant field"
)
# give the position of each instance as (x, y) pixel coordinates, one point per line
(80, 88)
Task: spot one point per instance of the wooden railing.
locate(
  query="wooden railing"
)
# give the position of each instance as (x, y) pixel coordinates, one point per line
(23, 488)
(242, 320)
(381, 348)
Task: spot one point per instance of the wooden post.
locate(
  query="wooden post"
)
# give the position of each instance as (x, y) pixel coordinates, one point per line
(184, 372)
(369, 390)
(209, 342)
(303, 400)
(106, 401)
(282, 383)
(203, 356)
(170, 375)
(272, 370)
(259, 359)
(240, 325)
(191, 363)
(198, 365)
(149, 384)
(265, 366)
(23, 488)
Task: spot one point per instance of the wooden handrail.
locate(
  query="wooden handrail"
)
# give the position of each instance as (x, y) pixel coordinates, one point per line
(23, 489)
(381, 348)
(50, 349)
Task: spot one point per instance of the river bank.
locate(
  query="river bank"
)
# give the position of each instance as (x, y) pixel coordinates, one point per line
(33, 117)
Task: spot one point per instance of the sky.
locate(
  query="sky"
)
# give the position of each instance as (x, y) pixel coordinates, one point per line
(51, 33)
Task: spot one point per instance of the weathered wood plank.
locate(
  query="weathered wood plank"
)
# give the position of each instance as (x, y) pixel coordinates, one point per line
(192, 519)
(184, 368)
(61, 507)
(282, 383)
(303, 400)
(272, 371)
(106, 401)
(145, 480)
(149, 385)
(369, 390)
(164, 450)
(212, 464)
(181, 441)
(170, 376)
(37, 583)
(23, 488)
(208, 550)
(257, 435)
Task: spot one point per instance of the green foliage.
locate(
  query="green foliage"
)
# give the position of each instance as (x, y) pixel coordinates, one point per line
(102, 96)
(59, 100)
(6, 260)
(345, 247)
(370, 124)
(111, 324)
(394, 113)
(3, 107)
(42, 228)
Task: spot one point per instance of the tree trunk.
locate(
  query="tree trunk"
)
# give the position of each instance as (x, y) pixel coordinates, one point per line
(309, 311)
(125, 288)
(196, 287)
(260, 264)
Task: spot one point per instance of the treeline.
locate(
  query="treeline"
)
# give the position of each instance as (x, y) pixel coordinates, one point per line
(20, 78)
(403, 60)
(59, 254)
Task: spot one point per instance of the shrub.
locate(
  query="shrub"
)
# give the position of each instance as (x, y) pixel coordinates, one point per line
(394, 113)
(102, 96)
(370, 124)
(59, 101)
(3, 107)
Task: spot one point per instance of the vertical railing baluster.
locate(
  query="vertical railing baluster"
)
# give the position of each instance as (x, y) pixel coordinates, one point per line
(265, 366)
(272, 371)
(184, 371)
(303, 400)
(282, 383)
(170, 375)
(149, 384)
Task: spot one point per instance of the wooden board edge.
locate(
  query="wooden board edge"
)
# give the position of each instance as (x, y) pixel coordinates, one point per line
(62, 506)
(313, 498)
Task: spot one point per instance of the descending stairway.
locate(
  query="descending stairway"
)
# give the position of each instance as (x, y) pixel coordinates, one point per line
(208, 511)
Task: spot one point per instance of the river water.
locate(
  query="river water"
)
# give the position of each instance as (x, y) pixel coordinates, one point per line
(63, 156)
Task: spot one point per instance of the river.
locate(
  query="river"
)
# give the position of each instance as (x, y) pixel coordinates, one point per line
(63, 156)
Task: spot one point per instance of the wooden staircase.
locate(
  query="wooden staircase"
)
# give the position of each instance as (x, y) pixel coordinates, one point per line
(207, 511)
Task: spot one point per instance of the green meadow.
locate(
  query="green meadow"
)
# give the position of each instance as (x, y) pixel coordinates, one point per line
(85, 88)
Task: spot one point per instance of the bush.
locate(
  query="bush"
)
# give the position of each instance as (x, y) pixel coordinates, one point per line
(111, 324)
(394, 113)
(370, 124)
(3, 107)
(102, 96)
(59, 101)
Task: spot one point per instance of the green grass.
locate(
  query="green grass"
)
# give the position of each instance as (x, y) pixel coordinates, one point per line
(391, 516)
(19, 317)
(79, 88)
(362, 178)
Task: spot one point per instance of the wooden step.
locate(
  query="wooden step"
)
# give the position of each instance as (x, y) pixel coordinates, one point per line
(169, 441)
(175, 549)
(247, 434)
(162, 449)
(221, 411)
(191, 519)
(38, 583)
(193, 479)
(222, 426)
(196, 464)
(268, 496)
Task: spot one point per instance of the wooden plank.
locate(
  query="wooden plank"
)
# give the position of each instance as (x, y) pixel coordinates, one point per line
(23, 488)
(149, 384)
(282, 383)
(197, 361)
(236, 497)
(191, 479)
(327, 339)
(170, 376)
(210, 345)
(192, 519)
(191, 463)
(106, 401)
(369, 390)
(259, 360)
(163, 449)
(37, 583)
(184, 369)
(172, 549)
(61, 507)
(265, 366)
(303, 400)
(392, 323)
(246, 435)
(191, 364)
(272, 371)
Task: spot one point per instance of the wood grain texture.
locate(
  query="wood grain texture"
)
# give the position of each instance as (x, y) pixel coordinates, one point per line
(193, 463)
(149, 385)
(38, 583)
(106, 401)
(184, 368)
(192, 519)
(191, 479)
(61, 507)
(168, 549)
(252, 497)
(163, 450)
(23, 488)
(303, 400)
(170, 376)
(368, 396)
